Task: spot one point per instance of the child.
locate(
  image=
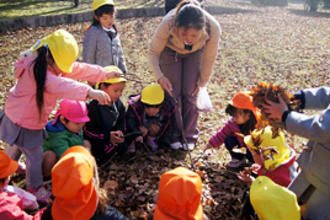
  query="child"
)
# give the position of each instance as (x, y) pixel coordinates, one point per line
(106, 127)
(314, 178)
(12, 205)
(151, 115)
(29, 103)
(101, 43)
(76, 189)
(63, 132)
(273, 158)
(272, 201)
(180, 192)
(243, 121)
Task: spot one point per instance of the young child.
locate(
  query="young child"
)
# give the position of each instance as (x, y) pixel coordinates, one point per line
(149, 113)
(180, 192)
(12, 205)
(76, 189)
(272, 201)
(243, 121)
(42, 79)
(63, 132)
(105, 130)
(273, 157)
(101, 43)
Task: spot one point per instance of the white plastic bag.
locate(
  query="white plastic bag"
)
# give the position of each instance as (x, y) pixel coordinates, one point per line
(29, 201)
(204, 103)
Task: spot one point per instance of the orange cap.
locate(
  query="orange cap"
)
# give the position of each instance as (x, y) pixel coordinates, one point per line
(73, 186)
(243, 100)
(180, 193)
(7, 165)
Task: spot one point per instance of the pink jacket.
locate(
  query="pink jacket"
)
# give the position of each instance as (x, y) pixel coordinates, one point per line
(11, 208)
(21, 106)
(229, 130)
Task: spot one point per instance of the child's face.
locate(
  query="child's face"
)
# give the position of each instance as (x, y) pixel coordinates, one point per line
(74, 127)
(241, 117)
(115, 90)
(190, 35)
(106, 20)
(151, 111)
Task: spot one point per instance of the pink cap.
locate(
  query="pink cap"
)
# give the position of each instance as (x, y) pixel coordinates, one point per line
(75, 111)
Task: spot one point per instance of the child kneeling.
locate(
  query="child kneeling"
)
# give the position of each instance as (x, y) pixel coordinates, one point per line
(149, 116)
(64, 132)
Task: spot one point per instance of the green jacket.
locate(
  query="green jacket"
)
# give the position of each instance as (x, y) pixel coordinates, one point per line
(60, 139)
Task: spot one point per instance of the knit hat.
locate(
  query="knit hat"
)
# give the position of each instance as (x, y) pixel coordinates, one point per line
(272, 201)
(278, 143)
(7, 165)
(243, 100)
(112, 80)
(73, 186)
(72, 110)
(179, 195)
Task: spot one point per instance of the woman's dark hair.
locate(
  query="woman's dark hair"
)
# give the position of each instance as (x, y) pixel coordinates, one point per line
(189, 15)
(248, 126)
(105, 9)
(40, 72)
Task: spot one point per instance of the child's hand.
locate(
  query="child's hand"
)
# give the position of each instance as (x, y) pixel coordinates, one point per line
(102, 97)
(144, 130)
(208, 146)
(154, 130)
(87, 145)
(117, 137)
(245, 175)
(139, 139)
(113, 74)
(257, 157)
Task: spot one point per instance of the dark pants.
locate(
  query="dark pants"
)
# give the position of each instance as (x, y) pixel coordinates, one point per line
(230, 143)
(183, 72)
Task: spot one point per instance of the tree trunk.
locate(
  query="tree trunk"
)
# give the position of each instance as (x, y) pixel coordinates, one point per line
(76, 3)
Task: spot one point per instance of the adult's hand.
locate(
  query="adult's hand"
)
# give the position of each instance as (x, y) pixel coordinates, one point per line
(165, 84)
(275, 110)
(196, 90)
(113, 74)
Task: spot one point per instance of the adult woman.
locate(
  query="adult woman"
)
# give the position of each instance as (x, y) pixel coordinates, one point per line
(181, 54)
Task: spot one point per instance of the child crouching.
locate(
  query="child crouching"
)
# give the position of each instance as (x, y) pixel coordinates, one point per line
(63, 132)
(273, 157)
(105, 130)
(150, 115)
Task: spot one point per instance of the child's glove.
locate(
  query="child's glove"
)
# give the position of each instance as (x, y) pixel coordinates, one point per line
(154, 130)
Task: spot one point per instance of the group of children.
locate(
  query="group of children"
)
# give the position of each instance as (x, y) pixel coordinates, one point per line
(103, 127)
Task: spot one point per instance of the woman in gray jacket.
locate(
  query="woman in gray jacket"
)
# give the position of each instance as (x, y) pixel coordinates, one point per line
(312, 185)
(101, 43)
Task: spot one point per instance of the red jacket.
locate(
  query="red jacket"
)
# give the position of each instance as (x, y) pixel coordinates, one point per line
(11, 208)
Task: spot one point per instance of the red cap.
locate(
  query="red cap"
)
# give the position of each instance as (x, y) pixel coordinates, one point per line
(72, 110)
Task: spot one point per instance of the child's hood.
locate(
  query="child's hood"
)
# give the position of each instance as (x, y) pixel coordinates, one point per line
(23, 64)
(55, 126)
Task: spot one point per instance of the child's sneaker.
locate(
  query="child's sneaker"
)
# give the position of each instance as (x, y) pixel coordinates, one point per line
(151, 142)
(131, 148)
(41, 193)
(176, 145)
(235, 163)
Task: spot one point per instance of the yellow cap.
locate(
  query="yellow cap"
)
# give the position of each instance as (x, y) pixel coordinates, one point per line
(64, 49)
(98, 3)
(272, 201)
(152, 94)
(266, 140)
(112, 80)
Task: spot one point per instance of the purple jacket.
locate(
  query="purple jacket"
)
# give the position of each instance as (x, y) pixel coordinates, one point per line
(230, 129)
